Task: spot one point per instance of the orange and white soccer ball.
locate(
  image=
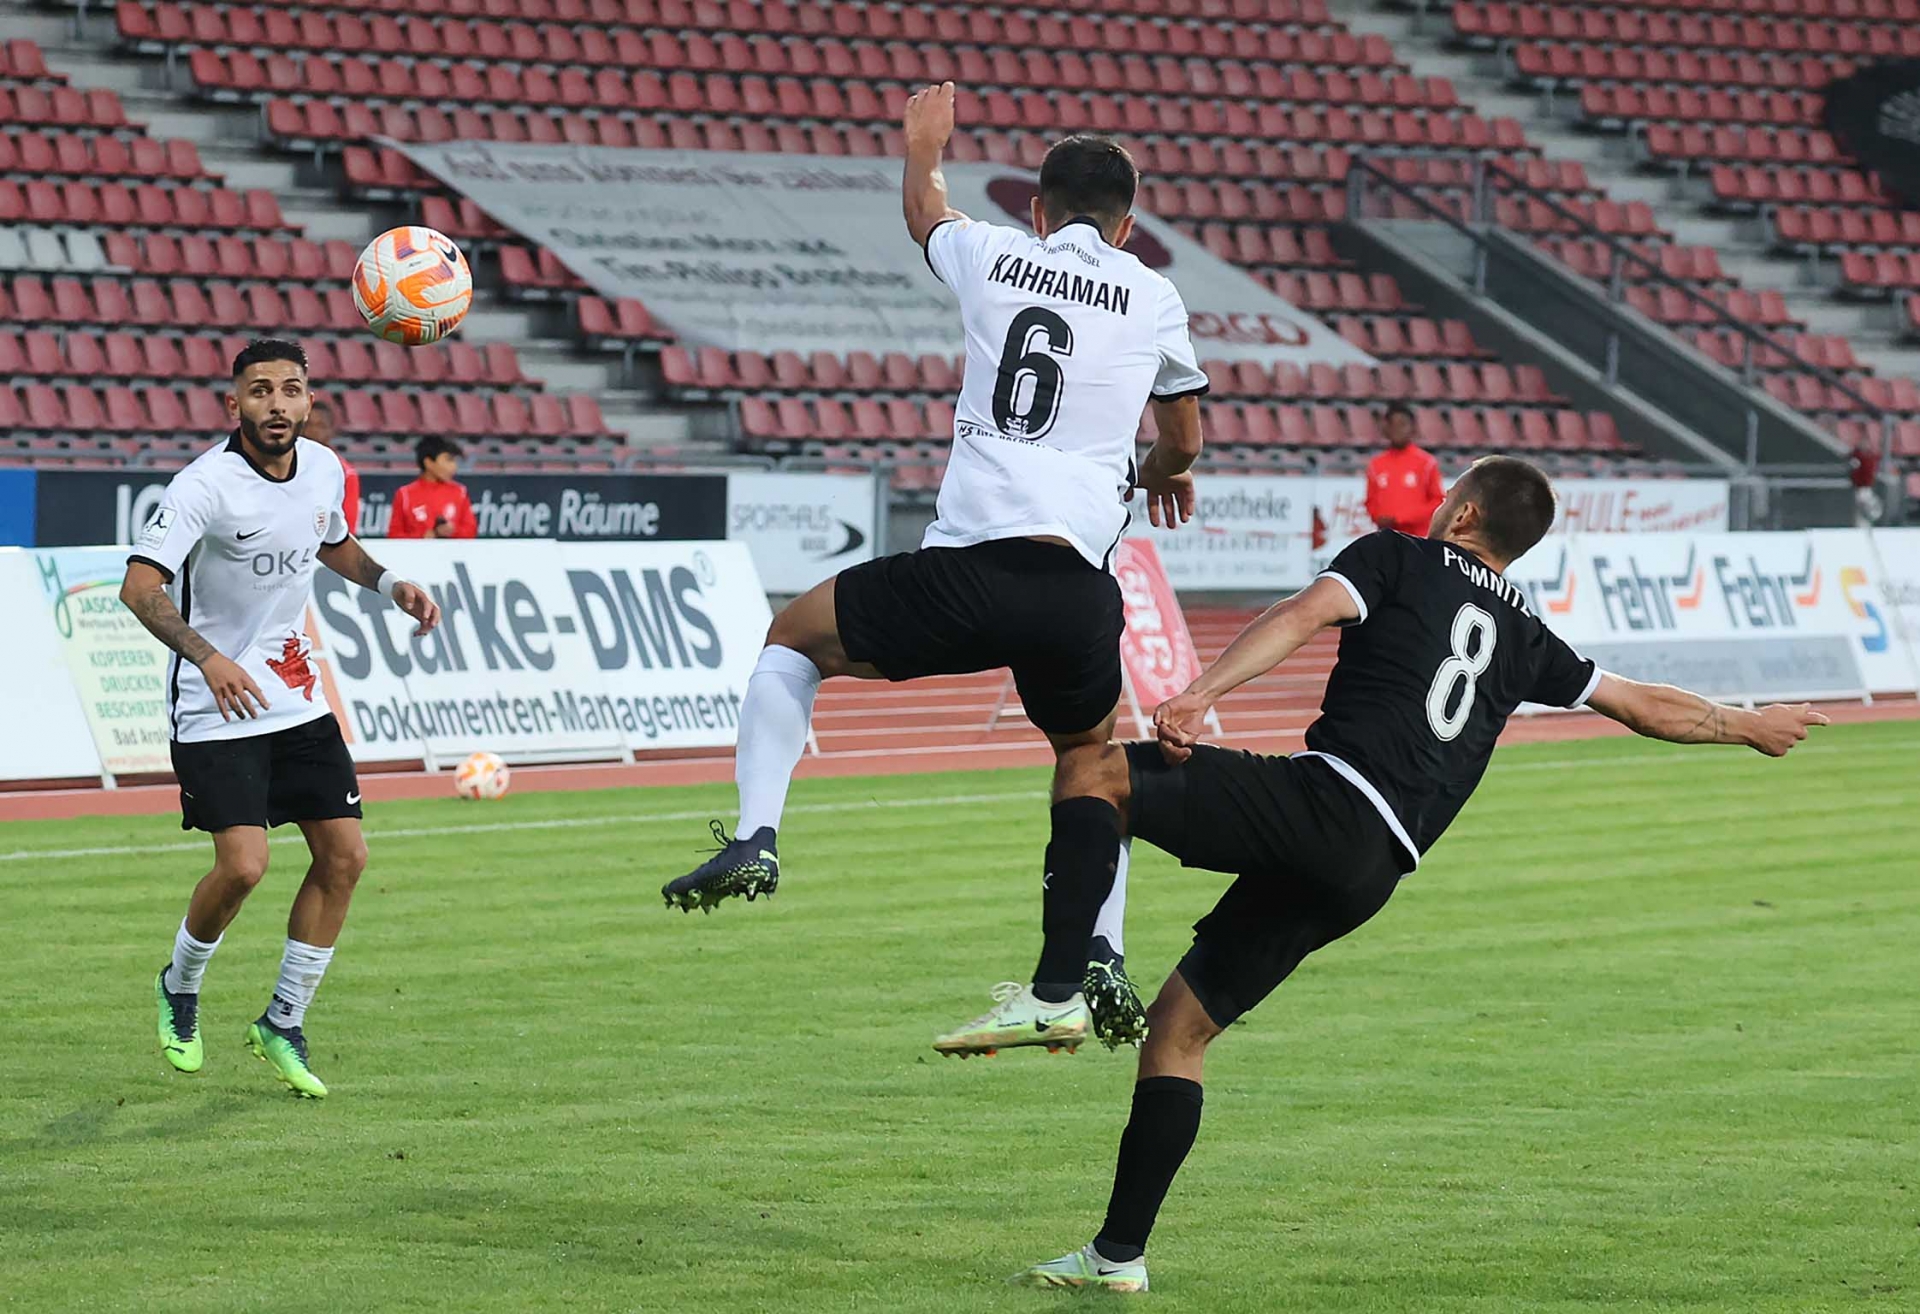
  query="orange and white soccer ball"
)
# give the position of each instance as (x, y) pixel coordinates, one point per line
(413, 285)
(483, 775)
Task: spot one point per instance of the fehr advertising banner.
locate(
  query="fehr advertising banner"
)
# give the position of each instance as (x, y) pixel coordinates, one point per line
(770, 253)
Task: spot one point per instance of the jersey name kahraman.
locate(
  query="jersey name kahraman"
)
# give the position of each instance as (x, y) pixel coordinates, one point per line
(1067, 338)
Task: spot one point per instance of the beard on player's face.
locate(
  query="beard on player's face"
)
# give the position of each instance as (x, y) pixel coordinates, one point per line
(272, 435)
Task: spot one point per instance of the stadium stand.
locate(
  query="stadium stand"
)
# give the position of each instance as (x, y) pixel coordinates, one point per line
(1220, 101)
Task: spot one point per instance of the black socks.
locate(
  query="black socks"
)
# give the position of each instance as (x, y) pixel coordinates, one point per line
(1166, 1118)
(1081, 857)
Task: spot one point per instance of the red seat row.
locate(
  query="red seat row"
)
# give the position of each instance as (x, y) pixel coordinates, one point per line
(1740, 145)
(68, 154)
(1807, 226)
(1526, 215)
(1618, 105)
(844, 17)
(470, 414)
(1881, 11)
(714, 372)
(1321, 292)
(196, 359)
(1906, 436)
(1878, 271)
(1805, 393)
(1595, 26)
(866, 419)
(119, 410)
(149, 303)
(146, 205)
(1457, 428)
(536, 274)
(1490, 384)
(21, 61)
(946, 27)
(456, 216)
(1249, 244)
(617, 323)
(1731, 349)
(1747, 186)
(1411, 338)
(1668, 305)
(1550, 64)
(266, 259)
(1590, 259)
(61, 107)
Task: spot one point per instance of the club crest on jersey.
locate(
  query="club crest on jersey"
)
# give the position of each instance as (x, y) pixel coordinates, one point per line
(320, 518)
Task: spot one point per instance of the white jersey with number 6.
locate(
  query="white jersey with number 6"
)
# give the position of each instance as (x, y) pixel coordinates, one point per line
(1067, 338)
(238, 548)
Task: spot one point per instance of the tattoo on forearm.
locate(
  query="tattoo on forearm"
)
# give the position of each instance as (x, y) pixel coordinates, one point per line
(349, 560)
(1708, 729)
(164, 622)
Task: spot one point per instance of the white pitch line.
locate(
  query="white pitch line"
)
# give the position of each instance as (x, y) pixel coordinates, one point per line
(1637, 762)
(545, 823)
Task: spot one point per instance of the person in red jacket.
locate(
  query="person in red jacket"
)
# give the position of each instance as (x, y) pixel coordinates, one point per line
(1404, 487)
(321, 429)
(434, 506)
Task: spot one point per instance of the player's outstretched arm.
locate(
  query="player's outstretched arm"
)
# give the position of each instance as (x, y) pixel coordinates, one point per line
(144, 591)
(350, 561)
(1164, 471)
(1273, 636)
(928, 123)
(1660, 711)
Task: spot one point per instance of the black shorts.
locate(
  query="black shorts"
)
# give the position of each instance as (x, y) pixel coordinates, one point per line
(1036, 607)
(303, 773)
(1312, 857)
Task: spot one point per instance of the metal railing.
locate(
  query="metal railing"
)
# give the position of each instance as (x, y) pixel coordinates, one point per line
(1477, 212)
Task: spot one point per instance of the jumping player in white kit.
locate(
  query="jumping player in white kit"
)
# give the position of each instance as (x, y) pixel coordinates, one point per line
(1069, 338)
(222, 574)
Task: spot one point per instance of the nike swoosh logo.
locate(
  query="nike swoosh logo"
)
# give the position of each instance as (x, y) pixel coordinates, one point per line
(244, 537)
(353, 798)
(1048, 1023)
(1109, 1272)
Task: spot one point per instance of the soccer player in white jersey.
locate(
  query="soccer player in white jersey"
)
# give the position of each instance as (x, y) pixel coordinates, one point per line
(222, 574)
(1069, 337)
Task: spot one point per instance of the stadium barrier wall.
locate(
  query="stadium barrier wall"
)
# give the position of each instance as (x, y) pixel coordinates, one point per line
(570, 650)
(800, 526)
(547, 651)
(752, 252)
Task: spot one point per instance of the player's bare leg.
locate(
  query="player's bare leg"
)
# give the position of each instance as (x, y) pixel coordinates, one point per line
(239, 861)
(1160, 1132)
(803, 648)
(319, 911)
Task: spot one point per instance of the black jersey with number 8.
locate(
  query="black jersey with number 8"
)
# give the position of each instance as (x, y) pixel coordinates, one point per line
(1443, 651)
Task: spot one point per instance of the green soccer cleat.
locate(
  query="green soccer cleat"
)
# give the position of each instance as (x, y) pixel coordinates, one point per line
(179, 1026)
(286, 1053)
(1017, 1019)
(1086, 1267)
(1119, 1018)
(749, 865)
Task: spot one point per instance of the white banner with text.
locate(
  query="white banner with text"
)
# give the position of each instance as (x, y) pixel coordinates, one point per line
(808, 253)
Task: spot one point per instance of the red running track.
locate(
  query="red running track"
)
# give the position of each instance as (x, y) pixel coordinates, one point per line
(936, 724)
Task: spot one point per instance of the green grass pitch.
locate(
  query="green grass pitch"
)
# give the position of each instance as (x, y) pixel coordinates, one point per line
(1641, 1034)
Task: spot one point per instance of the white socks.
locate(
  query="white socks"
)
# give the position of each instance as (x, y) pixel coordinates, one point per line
(301, 967)
(189, 961)
(773, 734)
(1110, 924)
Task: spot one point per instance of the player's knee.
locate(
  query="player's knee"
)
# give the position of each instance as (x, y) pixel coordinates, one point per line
(242, 870)
(1179, 1026)
(1092, 771)
(341, 866)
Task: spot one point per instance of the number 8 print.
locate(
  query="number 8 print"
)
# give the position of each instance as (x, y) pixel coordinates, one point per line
(1468, 663)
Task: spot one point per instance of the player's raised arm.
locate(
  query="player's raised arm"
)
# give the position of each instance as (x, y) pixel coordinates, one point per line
(1272, 637)
(928, 123)
(1660, 711)
(350, 561)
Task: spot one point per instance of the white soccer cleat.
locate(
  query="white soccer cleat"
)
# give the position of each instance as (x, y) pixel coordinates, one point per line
(1016, 1019)
(1086, 1267)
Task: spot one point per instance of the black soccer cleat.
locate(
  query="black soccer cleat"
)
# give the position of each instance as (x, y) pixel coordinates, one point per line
(1119, 1018)
(749, 866)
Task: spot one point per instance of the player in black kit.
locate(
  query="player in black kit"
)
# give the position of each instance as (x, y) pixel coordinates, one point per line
(1438, 649)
